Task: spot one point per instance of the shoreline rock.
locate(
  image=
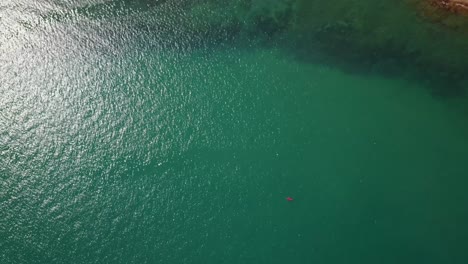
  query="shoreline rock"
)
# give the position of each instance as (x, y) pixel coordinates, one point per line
(453, 6)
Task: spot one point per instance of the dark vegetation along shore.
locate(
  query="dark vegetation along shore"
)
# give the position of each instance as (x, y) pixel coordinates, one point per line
(420, 40)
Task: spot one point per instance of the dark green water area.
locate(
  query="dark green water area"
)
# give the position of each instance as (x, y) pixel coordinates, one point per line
(173, 131)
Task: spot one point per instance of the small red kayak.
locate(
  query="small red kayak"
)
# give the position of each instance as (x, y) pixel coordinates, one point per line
(289, 199)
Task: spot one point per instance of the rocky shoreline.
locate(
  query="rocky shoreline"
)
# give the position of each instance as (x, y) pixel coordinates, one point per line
(455, 6)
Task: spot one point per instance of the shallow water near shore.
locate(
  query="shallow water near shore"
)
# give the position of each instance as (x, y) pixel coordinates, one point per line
(127, 138)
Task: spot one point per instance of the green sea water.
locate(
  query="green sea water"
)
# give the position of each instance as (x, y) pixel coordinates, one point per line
(128, 137)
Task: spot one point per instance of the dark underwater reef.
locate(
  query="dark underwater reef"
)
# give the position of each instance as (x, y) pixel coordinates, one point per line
(414, 39)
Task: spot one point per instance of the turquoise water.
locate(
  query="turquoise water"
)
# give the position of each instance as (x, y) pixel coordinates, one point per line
(127, 137)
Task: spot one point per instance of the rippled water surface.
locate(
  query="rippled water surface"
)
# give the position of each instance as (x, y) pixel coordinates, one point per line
(164, 132)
